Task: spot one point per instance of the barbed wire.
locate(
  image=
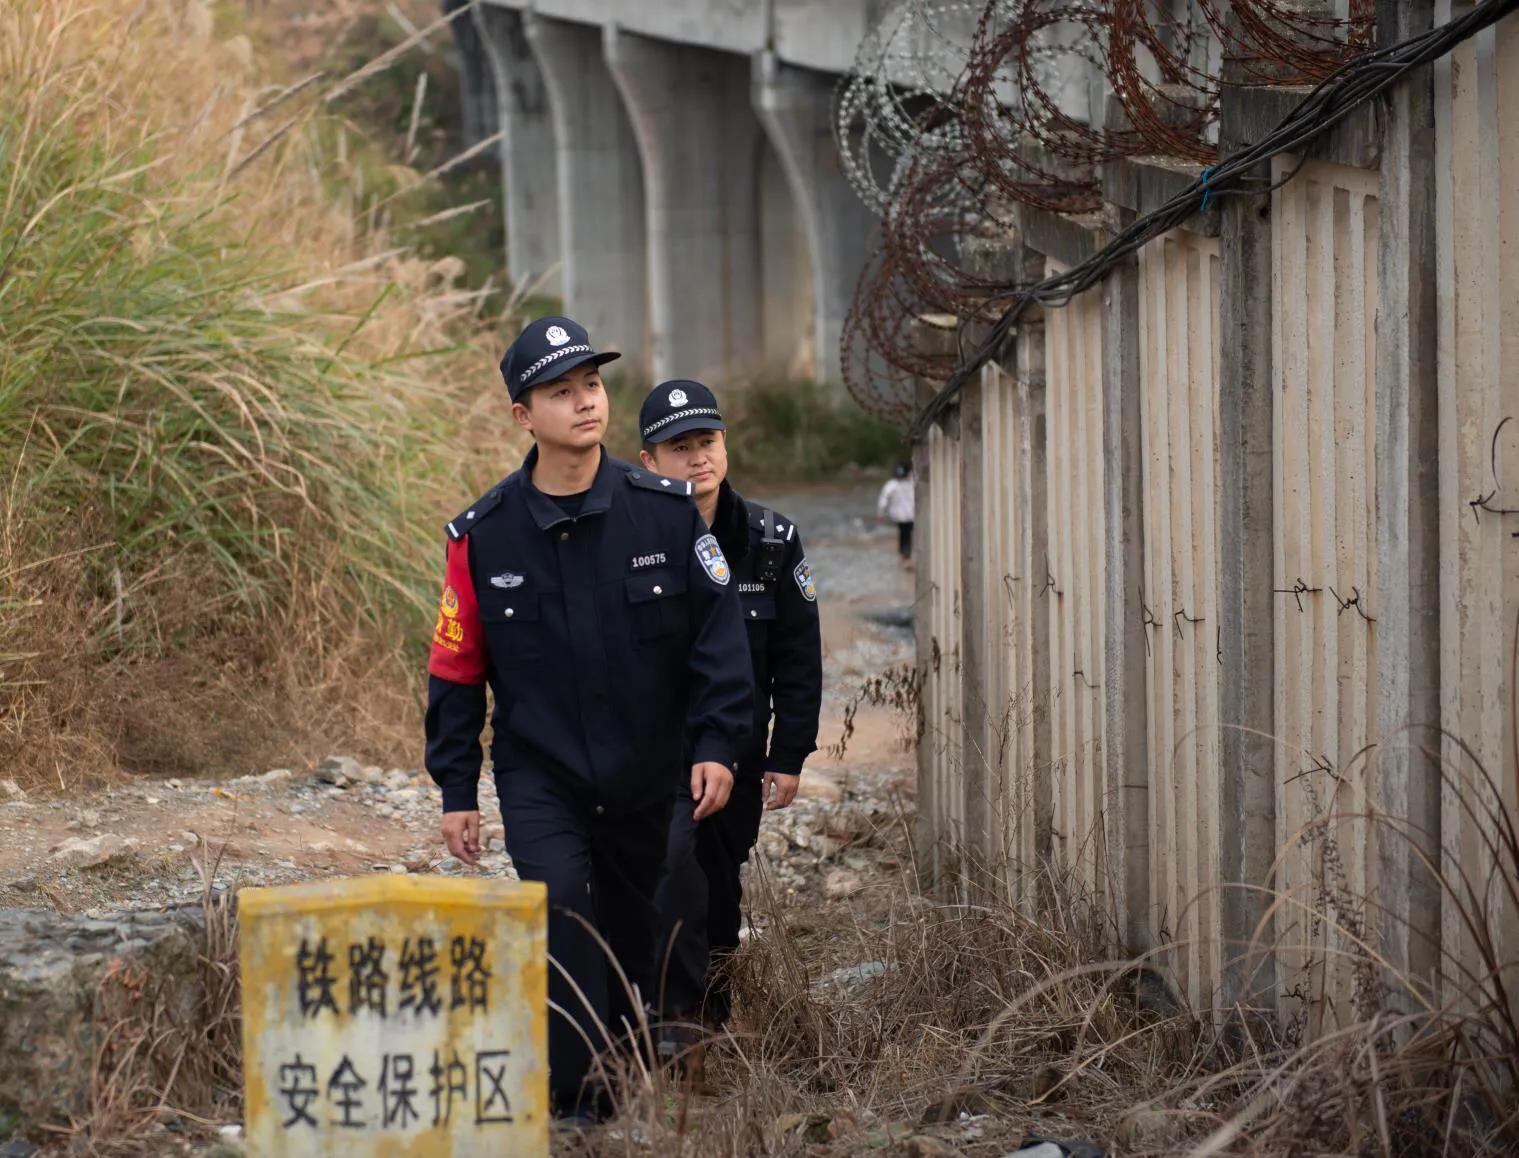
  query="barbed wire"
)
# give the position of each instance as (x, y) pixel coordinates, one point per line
(959, 113)
(1353, 84)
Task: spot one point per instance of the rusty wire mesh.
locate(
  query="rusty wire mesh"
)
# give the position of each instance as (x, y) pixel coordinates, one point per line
(958, 114)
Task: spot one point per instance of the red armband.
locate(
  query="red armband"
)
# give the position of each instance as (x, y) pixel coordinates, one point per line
(458, 638)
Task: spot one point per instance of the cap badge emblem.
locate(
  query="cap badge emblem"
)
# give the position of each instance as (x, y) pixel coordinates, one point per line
(678, 397)
(556, 335)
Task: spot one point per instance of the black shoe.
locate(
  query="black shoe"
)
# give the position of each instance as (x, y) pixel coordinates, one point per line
(591, 1108)
(576, 1121)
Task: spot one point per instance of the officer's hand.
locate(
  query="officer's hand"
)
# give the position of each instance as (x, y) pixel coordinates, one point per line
(779, 790)
(711, 784)
(461, 832)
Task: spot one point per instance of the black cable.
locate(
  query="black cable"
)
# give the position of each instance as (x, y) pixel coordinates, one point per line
(1350, 86)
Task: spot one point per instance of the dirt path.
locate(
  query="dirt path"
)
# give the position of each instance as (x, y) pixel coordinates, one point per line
(142, 844)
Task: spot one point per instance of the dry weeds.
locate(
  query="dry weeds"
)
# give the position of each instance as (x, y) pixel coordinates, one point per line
(233, 410)
(866, 1024)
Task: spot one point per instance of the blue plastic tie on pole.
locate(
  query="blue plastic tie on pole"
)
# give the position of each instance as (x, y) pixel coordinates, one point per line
(1207, 192)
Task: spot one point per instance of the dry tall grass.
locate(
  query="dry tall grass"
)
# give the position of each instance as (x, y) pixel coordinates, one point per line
(232, 410)
(894, 1023)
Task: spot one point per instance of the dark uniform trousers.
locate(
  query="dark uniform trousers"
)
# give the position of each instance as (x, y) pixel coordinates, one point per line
(700, 902)
(611, 641)
(700, 895)
(601, 871)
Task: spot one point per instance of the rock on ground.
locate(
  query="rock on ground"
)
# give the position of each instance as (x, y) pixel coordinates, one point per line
(54, 970)
(91, 852)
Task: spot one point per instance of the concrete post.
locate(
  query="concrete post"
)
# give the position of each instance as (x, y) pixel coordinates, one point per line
(528, 175)
(1127, 765)
(601, 210)
(930, 833)
(477, 89)
(1246, 628)
(796, 107)
(699, 142)
(978, 646)
(1406, 783)
(1028, 349)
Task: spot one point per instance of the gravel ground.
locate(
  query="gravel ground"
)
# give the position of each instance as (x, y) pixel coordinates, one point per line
(141, 845)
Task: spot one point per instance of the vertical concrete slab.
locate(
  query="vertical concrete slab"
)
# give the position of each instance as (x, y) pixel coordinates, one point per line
(931, 820)
(795, 105)
(529, 176)
(1246, 627)
(1127, 754)
(600, 178)
(978, 644)
(1028, 354)
(1476, 92)
(1406, 781)
(699, 143)
(1178, 367)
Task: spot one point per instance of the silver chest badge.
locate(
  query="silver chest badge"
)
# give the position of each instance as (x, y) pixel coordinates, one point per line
(506, 580)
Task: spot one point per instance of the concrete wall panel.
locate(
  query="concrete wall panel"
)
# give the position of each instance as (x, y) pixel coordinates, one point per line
(938, 554)
(1325, 299)
(1179, 433)
(1477, 243)
(1073, 590)
(1016, 702)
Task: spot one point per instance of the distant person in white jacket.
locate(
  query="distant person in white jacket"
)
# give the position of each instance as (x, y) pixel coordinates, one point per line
(896, 504)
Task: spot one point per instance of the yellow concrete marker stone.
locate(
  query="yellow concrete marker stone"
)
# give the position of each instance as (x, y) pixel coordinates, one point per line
(395, 1015)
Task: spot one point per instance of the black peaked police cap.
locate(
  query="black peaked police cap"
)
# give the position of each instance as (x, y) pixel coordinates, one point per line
(677, 407)
(547, 348)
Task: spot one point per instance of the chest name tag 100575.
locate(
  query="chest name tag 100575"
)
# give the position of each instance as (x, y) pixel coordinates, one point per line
(652, 559)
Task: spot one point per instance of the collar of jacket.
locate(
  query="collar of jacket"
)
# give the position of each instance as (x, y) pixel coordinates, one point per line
(547, 513)
(731, 523)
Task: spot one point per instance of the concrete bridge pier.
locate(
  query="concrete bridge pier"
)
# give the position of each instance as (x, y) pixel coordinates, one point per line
(600, 183)
(528, 171)
(699, 142)
(795, 105)
(477, 90)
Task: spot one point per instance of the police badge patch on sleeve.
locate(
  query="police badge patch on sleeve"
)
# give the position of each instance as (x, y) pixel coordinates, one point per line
(803, 576)
(711, 558)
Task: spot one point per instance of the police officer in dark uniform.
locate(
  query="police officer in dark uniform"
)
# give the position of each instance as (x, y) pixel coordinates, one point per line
(684, 436)
(592, 600)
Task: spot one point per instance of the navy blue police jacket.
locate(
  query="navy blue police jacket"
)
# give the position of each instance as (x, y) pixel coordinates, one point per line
(610, 640)
(779, 600)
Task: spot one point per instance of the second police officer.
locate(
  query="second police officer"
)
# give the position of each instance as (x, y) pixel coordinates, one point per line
(590, 598)
(684, 436)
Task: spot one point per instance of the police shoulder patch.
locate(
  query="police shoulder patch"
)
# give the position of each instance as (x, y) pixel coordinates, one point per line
(649, 481)
(711, 557)
(803, 576)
